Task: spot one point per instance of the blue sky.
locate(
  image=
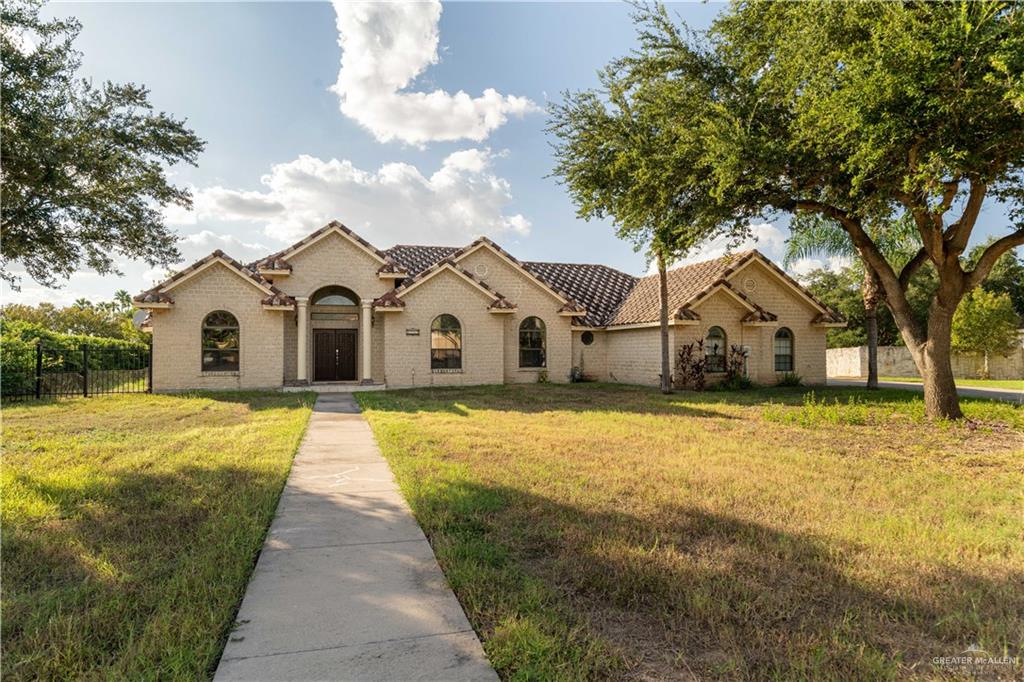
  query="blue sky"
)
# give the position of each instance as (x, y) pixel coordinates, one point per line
(391, 150)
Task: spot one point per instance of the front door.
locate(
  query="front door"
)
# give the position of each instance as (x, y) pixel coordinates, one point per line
(334, 355)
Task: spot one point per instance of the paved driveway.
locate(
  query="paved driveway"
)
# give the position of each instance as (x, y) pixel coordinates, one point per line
(969, 391)
(347, 586)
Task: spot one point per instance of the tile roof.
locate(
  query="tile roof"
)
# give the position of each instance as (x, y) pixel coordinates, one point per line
(684, 284)
(416, 258)
(392, 299)
(598, 288)
(276, 297)
(271, 263)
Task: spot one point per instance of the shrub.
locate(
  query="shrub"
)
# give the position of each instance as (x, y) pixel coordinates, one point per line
(790, 379)
(63, 354)
(736, 378)
(692, 366)
(734, 382)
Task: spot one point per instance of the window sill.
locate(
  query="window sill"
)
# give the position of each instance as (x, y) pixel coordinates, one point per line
(533, 369)
(221, 373)
(446, 371)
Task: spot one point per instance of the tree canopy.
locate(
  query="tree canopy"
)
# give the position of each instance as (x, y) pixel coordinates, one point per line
(857, 112)
(986, 324)
(83, 177)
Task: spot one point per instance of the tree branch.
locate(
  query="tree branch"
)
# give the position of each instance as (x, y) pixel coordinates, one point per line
(959, 233)
(895, 295)
(991, 255)
(912, 266)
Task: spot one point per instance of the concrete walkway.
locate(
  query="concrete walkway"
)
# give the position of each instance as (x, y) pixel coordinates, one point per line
(968, 391)
(347, 586)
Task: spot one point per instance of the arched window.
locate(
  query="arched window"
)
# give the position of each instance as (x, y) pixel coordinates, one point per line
(445, 343)
(532, 343)
(714, 350)
(783, 350)
(335, 296)
(220, 342)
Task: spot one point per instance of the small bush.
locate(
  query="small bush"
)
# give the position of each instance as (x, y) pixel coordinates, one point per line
(790, 380)
(734, 382)
(692, 366)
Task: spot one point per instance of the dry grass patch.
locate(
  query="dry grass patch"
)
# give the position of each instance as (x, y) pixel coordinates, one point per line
(609, 531)
(131, 525)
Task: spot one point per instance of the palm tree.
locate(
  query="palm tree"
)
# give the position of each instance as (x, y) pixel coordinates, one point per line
(814, 235)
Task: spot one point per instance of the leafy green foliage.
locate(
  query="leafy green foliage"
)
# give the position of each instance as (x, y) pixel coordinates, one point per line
(790, 380)
(18, 341)
(1007, 276)
(865, 114)
(985, 323)
(83, 166)
(109, 319)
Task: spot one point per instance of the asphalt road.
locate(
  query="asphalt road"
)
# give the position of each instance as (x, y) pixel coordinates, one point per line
(991, 393)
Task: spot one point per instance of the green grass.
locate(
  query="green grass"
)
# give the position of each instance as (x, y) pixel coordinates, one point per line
(596, 531)
(131, 525)
(1011, 384)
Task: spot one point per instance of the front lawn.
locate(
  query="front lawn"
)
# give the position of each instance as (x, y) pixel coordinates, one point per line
(608, 531)
(131, 525)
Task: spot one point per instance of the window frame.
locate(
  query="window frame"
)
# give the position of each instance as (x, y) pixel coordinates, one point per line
(217, 351)
(441, 365)
(791, 356)
(540, 350)
(334, 290)
(719, 365)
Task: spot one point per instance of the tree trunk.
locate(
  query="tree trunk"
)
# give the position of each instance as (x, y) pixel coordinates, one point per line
(933, 359)
(871, 290)
(666, 375)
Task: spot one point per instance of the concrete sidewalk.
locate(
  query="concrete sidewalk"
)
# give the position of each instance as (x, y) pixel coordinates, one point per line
(347, 586)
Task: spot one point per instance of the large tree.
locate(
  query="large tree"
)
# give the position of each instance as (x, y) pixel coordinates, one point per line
(861, 112)
(83, 167)
(617, 159)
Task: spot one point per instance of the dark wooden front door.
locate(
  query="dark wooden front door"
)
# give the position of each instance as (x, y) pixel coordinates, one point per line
(334, 355)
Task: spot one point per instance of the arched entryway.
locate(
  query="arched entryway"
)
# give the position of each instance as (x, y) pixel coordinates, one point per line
(334, 322)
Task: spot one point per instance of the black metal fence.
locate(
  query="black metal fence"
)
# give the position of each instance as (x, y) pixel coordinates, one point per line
(44, 371)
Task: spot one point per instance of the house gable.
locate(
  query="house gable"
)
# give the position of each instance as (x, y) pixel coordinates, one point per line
(163, 294)
(483, 255)
(761, 280)
(334, 258)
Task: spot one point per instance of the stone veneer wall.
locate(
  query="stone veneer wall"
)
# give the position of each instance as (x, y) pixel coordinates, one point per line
(895, 361)
(177, 335)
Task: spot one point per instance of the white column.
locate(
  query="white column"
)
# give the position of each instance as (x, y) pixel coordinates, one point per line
(365, 325)
(303, 323)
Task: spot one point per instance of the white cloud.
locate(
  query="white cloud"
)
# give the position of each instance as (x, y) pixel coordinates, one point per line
(765, 237)
(385, 47)
(769, 240)
(396, 203)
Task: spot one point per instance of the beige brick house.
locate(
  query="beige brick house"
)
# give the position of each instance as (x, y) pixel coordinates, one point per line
(333, 308)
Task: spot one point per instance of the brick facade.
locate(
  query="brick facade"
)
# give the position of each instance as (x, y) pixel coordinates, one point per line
(177, 335)
(399, 336)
